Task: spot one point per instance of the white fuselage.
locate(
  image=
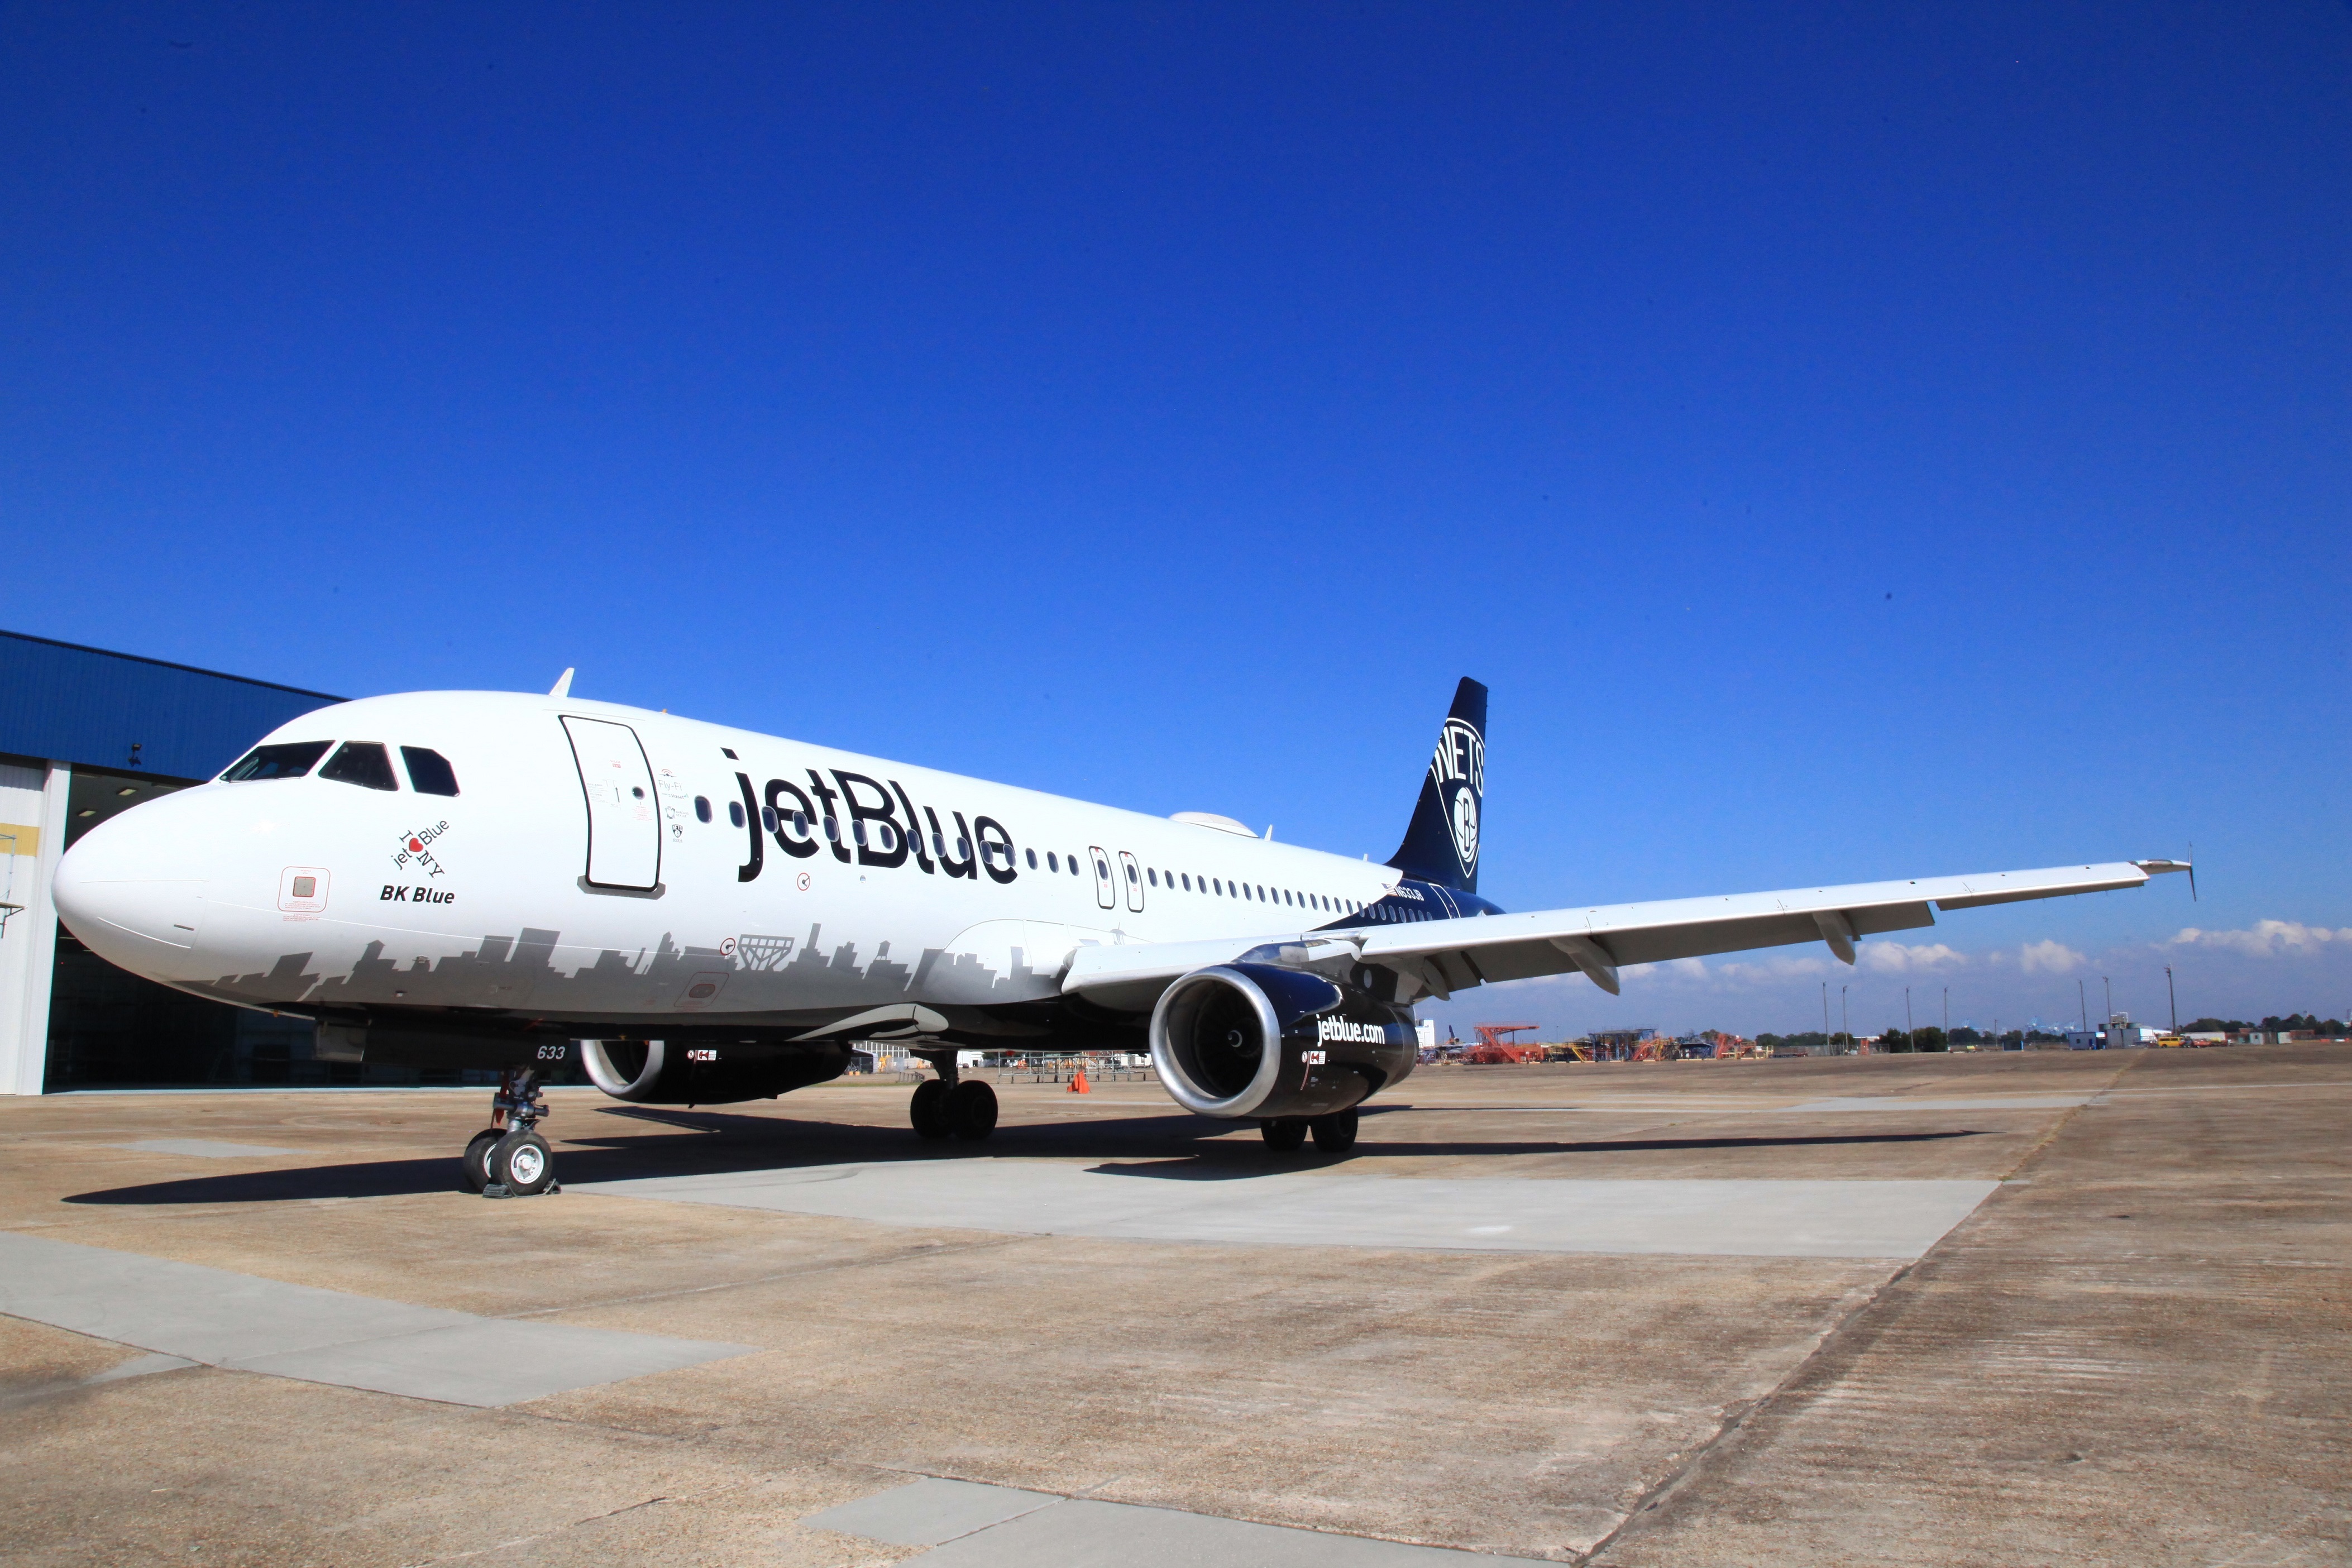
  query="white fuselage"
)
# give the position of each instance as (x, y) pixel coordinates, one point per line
(485, 899)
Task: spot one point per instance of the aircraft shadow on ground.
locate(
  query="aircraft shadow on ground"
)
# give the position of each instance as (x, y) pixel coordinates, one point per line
(1170, 1147)
(1205, 1170)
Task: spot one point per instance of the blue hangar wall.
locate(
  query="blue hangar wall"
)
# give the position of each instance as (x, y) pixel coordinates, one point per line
(84, 735)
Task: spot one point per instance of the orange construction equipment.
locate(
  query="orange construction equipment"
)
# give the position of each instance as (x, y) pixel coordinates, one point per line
(1079, 1084)
(1499, 1034)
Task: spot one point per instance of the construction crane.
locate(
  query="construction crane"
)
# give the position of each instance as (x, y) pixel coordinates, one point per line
(1499, 1034)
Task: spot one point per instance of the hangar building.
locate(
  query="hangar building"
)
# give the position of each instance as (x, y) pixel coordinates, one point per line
(84, 734)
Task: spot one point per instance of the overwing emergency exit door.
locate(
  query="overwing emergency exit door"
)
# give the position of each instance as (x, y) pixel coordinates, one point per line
(1106, 886)
(623, 817)
(1134, 874)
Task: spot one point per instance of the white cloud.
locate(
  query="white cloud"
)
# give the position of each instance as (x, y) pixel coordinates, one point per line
(1900, 958)
(2047, 957)
(2269, 938)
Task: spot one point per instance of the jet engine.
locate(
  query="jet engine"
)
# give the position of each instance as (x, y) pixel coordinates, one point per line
(1259, 1040)
(678, 1072)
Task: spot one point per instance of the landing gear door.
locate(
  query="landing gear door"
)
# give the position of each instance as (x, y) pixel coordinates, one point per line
(623, 817)
(1134, 875)
(1106, 886)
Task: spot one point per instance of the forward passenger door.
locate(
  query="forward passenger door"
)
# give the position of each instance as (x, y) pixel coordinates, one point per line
(624, 819)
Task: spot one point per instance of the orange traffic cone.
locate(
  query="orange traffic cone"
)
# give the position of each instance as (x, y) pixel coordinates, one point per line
(1079, 1084)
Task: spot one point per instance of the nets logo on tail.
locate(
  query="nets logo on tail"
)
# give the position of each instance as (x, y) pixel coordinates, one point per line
(1441, 845)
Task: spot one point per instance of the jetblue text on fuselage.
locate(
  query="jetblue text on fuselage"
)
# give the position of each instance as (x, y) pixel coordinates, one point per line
(803, 822)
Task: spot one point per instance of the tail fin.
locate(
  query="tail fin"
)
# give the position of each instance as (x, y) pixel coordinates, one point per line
(1442, 844)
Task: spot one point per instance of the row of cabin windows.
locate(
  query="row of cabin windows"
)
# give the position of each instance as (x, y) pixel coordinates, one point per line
(887, 840)
(367, 764)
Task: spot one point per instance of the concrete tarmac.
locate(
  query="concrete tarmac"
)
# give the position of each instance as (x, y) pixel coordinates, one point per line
(2051, 1308)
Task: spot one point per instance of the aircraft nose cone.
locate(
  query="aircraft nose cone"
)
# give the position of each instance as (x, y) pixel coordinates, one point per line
(133, 892)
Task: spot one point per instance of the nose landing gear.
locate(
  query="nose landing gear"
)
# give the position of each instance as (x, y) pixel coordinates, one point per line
(508, 1159)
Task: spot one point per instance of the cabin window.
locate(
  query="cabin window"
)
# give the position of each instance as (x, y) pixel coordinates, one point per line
(1151, 876)
(1053, 861)
(735, 812)
(1074, 865)
(429, 771)
(701, 807)
(768, 817)
(1186, 880)
(1131, 872)
(362, 762)
(801, 824)
(833, 828)
(1031, 855)
(291, 761)
(857, 831)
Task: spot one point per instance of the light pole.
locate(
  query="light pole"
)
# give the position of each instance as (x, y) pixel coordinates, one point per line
(1907, 1029)
(2111, 998)
(1845, 1020)
(2172, 1001)
(2085, 1000)
(1828, 1046)
(1947, 1016)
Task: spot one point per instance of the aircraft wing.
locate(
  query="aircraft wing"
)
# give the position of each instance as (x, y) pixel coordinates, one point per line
(1441, 957)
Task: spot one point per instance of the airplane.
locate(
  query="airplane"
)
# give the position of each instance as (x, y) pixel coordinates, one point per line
(706, 915)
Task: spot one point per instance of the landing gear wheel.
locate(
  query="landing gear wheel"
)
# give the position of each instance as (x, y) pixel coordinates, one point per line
(1283, 1134)
(929, 1110)
(971, 1110)
(1336, 1133)
(523, 1165)
(476, 1162)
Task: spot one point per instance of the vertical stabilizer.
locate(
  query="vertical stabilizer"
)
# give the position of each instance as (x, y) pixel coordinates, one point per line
(1442, 844)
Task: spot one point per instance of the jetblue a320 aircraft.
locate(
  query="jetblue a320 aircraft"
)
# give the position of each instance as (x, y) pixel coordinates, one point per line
(490, 879)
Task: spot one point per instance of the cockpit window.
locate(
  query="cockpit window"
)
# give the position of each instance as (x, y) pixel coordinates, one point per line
(361, 762)
(290, 760)
(429, 772)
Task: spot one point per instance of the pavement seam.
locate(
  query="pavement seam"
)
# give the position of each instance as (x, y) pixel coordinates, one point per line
(1673, 1483)
(591, 1519)
(1667, 1486)
(942, 1249)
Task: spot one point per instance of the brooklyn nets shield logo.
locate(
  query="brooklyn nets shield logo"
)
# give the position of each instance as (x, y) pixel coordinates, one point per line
(1459, 770)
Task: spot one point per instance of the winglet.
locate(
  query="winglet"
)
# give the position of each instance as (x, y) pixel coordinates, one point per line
(562, 687)
(2159, 867)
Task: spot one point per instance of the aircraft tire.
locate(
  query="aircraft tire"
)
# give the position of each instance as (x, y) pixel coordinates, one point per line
(476, 1164)
(1336, 1133)
(929, 1110)
(523, 1163)
(971, 1110)
(1283, 1134)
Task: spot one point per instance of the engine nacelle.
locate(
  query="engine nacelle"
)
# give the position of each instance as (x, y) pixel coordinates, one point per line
(675, 1072)
(1259, 1040)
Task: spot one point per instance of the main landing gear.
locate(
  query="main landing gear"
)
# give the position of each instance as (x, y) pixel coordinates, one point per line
(508, 1159)
(947, 1106)
(1334, 1134)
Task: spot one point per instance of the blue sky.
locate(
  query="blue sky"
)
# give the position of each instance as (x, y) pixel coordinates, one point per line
(1850, 444)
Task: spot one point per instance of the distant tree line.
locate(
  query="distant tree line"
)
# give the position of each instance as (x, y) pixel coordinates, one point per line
(2272, 1023)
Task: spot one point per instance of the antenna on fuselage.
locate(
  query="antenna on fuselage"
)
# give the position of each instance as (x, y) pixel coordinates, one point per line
(562, 687)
